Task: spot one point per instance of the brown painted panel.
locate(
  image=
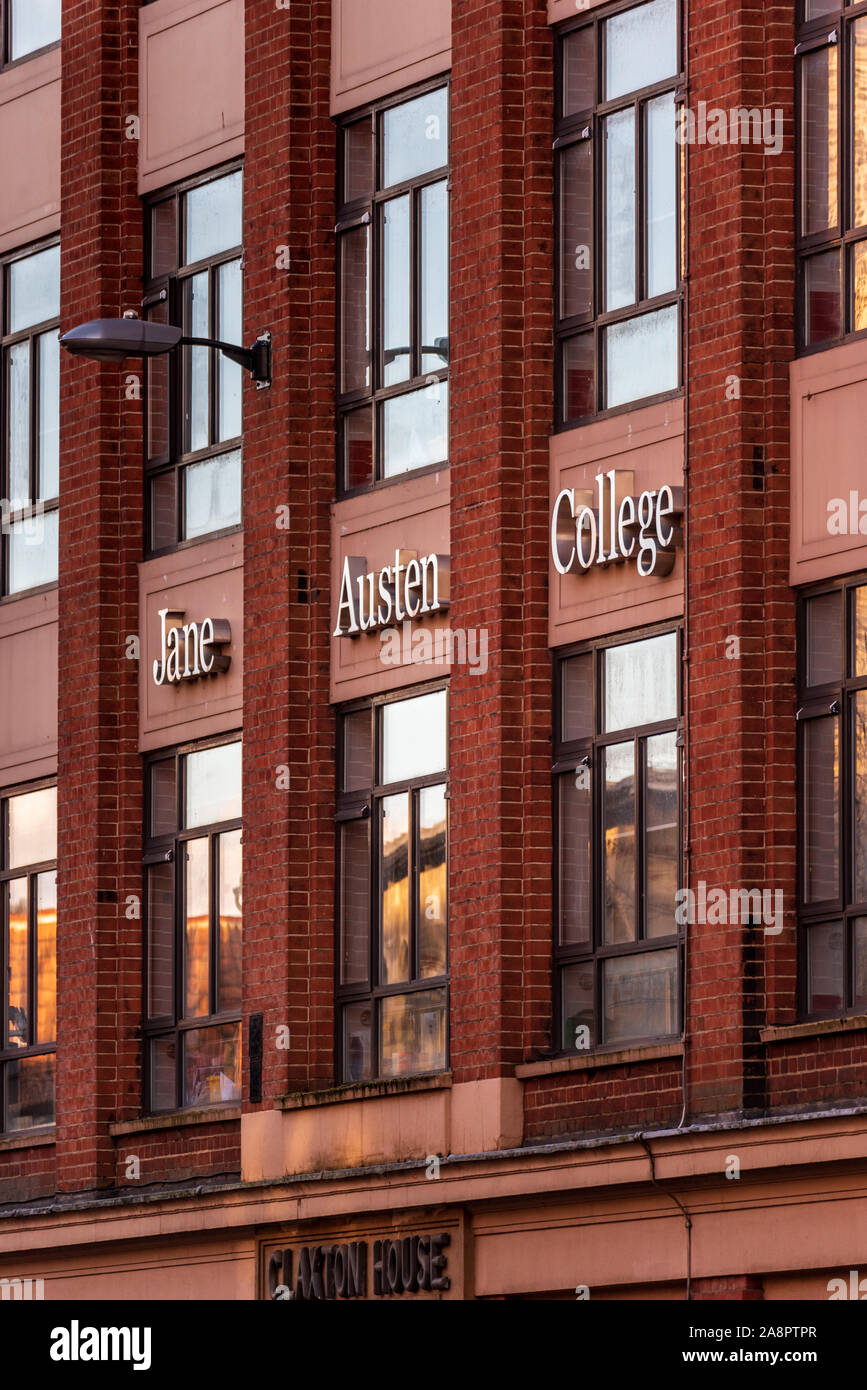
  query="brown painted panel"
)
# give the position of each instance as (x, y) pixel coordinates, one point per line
(30, 150)
(28, 687)
(191, 79)
(204, 581)
(829, 406)
(412, 515)
(381, 46)
(649, 443)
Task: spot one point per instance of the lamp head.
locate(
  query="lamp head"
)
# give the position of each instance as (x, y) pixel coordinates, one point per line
(113, 340)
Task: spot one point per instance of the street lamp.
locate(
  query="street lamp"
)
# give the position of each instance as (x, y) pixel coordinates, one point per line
(113, 340)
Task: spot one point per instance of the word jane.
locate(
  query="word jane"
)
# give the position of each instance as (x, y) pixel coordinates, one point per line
(410, 588)
(584, 535)
(190, 650)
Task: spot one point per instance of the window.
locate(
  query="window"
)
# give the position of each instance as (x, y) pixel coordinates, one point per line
(28, 956)
(393, 290)
(832, 171)
(832, 752)
(617, 816)
(617, 200)
(29, 26)
(392, 908)
(193, 433)
(29, 457)
(194, 915)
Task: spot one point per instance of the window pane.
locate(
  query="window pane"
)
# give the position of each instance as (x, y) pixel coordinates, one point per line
(358, 160)
(358, 447)
(413, 1033)
(163, 504)
(414, 737)
(30, 1093)
(860, 780)
(396, 340)
(231, 922)
(859, 121)
(198, 361)
(161, 934)
(212, 494)
(432, 882)
(355, 309)
(18, 388)
(619, 842)
(640, 47)
(164, 238)
(32, 828)
(819, 121)
(434, 278)
(826, 969)
(824, 625)
(355, 902)
(823, 317)
(212, 1065)
(394, 888)
(213, 218)
(661, 197)
(163, 1074)
(197, 975)
(814, 9)
(46, 958)
(230, 329)
(579, 376)
(859, 600)
(821, 810)
(574, 857)
(32, 552)
(34, 23)
(358, 751)
(577, 695)
(641, 357)
(577, 1005)
(859, 1000)
(416, 429)
(415, 137)
(661, 835)
(357, 1040)
(641, 682)
(619, 137)
(49, 415)
(17, 992)
(640, 996)
(579, 72)
(575, 171)
(859, 283)
(34, 289)
(213, 785)
(163, 798)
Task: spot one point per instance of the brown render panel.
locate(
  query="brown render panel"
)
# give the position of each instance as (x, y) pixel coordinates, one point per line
(28, 687)
(206, 581)
(649, 443)
(30, 150)
(381, 46)
(191, 84)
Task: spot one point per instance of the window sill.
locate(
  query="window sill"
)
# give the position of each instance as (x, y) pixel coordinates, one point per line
(177, 1119)
(366, 1090)
(818, 1028)
(605, 1057)
(28, 1139)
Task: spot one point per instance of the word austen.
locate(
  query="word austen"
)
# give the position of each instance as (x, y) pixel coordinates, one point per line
(746, 907)
(410, 588)
(190, 650)
(740, 126)
(583, 535)
(446, 646)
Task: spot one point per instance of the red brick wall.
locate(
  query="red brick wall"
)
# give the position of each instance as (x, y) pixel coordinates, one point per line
(176, 1154)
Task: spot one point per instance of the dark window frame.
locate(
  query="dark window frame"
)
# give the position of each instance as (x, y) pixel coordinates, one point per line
(160, 849)
(6, 41)
(568, 756)
(31, 872)
(812, 36)
(362, 805)
(587, 125)
(8, 340)
(365, 212)
(171, 290)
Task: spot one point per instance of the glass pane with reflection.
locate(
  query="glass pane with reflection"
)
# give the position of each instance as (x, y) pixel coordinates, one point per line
(818, 144)
(859, 997)
(34, 289)
(640, 47)
(197, 929)
(231, 922)
(413, 1033)
(48, 350)
(230, 329)
(394, 888)
(32, 551)
(575, 186)
(619, 147)
(619, 842)
(639, 996)
(358, 1042)
(415, 429)
(213, 785)
(859, 654)
(579, 72)
(17, 958)
(824, 621)
(661, 196)
(415, 137)
(163, 797)
(18, 426)
(357, 427)
(641, 357)
(821, 809)
(358, 160)
(859, 284)
(826, 968)
(46, 957)
(434, 278)
(858, 31)
(576, 1007)
(32, 828)
(641, 682)
(575, 812)
(197, 405)
(163, 508)
(160, 939)
(397, 290)
(213, 214)
(859, 848)
(577, 697)
(30, 1089)
(661, 834)
(212, 494)
(579, 376)
(432, 905)
(212, 1064)
(163, 1061)
(823, 298)
(33, 24)
(358, 751)
(355, 309)
(164, 238)
(414, 737)
(355, 902)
